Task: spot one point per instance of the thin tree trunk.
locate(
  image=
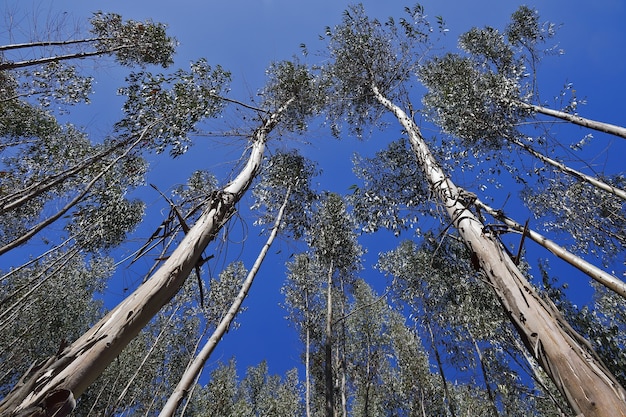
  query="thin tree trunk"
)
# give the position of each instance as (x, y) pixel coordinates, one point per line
(609, 281)
(565, 356)
(577, 120)
(66, 376)
(79, 55)
(618, 192)
(130, 381)
(195, 367)
(328, 354)
(444, 381)
(45, 223)
(49, 43)
(307, 370)
(483, 368)
(21, 197)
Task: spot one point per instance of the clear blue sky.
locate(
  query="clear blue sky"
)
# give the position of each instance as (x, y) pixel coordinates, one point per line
(244, 36)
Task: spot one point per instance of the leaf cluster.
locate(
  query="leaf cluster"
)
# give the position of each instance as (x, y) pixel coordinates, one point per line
(165, 109)
(133, 43)
(367, 53)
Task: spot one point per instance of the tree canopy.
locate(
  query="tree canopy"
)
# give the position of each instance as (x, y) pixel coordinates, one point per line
(417, 284)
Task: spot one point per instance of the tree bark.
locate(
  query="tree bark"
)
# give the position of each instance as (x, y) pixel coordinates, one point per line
(79, 55)
(577, 120)
(328, 354)
(564, 355)
(78, 365)
(609, 281)
(195, 367)
(618, 192)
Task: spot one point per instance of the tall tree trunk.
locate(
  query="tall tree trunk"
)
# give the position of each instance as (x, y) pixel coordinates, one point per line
(77, 199)
(564, 355)
(609, 281)
(328, 353)
(444, 381)
(195, 367)
(307, 373)
(79, 55)
(52, 385)
(618, 192)
(483, 369)
(18, 198)
(49, 43)
(577, 120)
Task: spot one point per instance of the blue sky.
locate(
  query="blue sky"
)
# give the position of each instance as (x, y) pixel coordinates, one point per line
(245, 36)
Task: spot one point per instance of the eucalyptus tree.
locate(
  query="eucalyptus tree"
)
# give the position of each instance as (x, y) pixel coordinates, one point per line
(439, 284)
(496, 80)
(257, 394)
(66, 376)
(317, 292)
(370, 64)
(130, 42)
(54, 312)
(485, 94)
(287, 174)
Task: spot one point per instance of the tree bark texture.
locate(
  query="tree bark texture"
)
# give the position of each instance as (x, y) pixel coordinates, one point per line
(609, 281)
(78, 365)
(587, 385)
(577, 120)
(195, 367)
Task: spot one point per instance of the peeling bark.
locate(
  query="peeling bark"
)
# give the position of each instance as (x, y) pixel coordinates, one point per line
(565, 356)
(78, 365)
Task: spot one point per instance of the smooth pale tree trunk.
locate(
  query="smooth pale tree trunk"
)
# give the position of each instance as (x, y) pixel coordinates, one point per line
(328, 353)
(586, 383)
(49, 43)
(444, 381)
(577, 120)
(194, 369)
(52, 385)
(79, 55)
(609, 281)
(483, 369)
(618, 192)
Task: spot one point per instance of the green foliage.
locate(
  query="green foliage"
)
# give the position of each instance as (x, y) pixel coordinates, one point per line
(393, 189)
(332, 236)
(257, 394)
(469, 101)
(439, 285)
(223, 291)
(291, 81)
(165, 109)
(133, 42)
(366, 53)
(477, 96)
(44, 306)
(286, 173)
(596, 223)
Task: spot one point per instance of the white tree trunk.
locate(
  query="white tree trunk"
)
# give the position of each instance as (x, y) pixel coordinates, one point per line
(565, 356)
(65, 376)
(609, 281)
(577, 120)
